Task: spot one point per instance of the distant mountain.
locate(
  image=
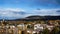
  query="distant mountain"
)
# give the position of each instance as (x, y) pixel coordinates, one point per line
(37, 17)
(44, 17)
(52, 17)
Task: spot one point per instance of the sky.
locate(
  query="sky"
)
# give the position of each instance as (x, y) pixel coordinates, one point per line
(15, 9)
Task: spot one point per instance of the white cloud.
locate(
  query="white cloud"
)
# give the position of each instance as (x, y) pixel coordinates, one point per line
(47, 12)
(11, 13)
(12, 9)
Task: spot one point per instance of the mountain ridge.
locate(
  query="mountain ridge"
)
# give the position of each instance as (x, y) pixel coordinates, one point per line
(37, 17)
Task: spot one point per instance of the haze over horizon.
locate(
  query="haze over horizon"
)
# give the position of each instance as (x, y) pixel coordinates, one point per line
(14, 9)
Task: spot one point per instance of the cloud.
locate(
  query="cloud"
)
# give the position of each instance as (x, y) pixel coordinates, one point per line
(44, 12)
(11, 9)
(13, 13)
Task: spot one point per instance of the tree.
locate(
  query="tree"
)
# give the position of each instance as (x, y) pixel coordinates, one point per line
(46, 31)
(55, 30)
(30, 26)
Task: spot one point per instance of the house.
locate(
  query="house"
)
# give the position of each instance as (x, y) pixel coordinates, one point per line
(38, 27)
(50, 27)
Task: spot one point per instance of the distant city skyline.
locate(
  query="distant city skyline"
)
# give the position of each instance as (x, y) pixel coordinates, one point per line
(14, 9)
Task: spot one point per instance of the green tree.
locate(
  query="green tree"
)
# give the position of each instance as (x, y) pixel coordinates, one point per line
(55, 30)
(46, 31)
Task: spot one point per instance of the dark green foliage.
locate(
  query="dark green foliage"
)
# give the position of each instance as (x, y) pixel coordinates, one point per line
(46, 31)
(55, 30)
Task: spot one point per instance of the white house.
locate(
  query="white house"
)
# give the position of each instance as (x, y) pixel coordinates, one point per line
(38, 27)
(50, 27)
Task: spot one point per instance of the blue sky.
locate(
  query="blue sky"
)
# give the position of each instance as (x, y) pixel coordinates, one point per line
(13, 9)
